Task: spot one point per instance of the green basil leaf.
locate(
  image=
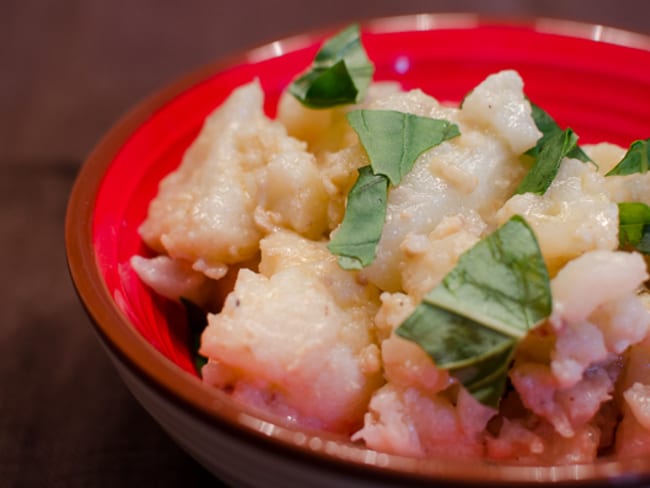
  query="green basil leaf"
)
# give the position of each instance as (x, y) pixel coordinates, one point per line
(472, 321)
(355, 241)
(556, 147)
(340, 74)
(501, 282)
(394, 140)
(197, 321)
(636, 160)
(634, 226)
(548, 127)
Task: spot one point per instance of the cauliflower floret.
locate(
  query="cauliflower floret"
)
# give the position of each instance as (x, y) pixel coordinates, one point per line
(596, 310)
(174, 279)
(299, 339)
(474, 172)
(573, 216)
(500, 104)
(426, 195)
(411, 422)
(205, 212)
(596, 317)
(628, 188)
(326, 129)
(605, 155)
(291, 195)
(409, 415)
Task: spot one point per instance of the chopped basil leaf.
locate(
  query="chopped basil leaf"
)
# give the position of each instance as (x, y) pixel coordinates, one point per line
(634, 226)
(548, 127)
(197, 321)
(355, 241)
(636, 160)
(394, 140)
(472, 321)
(340, 74)
(556, 147)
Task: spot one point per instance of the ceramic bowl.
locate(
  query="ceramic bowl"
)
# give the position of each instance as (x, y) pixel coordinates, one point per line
(592, 78)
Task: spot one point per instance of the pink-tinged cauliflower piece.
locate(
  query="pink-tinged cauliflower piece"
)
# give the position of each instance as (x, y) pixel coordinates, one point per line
(297, 338)
(597, 315)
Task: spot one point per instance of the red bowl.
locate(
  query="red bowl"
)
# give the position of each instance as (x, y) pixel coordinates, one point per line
(592, 78)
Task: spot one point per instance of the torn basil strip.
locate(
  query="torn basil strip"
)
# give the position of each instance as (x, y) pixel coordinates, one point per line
(340, 73)
(636, 160)
(556, 147)
(472, 321)
(548, 127)
(634, 226)
(355, 241)
(394, 140)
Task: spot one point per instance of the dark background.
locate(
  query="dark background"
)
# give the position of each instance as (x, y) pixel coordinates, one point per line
(68, 69)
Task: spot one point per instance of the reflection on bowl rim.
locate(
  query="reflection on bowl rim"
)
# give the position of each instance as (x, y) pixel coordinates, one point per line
(215, 407)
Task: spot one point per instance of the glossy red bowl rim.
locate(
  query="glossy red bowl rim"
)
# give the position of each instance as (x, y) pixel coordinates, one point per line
(216, 408)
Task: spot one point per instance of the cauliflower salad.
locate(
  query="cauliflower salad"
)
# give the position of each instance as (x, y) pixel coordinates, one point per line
(427, 279)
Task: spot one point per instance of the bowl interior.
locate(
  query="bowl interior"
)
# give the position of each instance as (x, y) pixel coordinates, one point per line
(601, 89)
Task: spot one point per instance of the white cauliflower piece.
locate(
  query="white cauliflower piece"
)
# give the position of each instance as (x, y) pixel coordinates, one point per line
(299, 339)
(605, 155)
(628, 188)
(596, 311)
(413, 423)
(573, 216)
(596, 317)
(174, 279)
(499, 103)
(291, 195)
(407, 416)
(326, 129)
(474, 172)
(204, 212)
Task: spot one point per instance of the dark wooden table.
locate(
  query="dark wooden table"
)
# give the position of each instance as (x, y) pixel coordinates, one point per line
(68, 69)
